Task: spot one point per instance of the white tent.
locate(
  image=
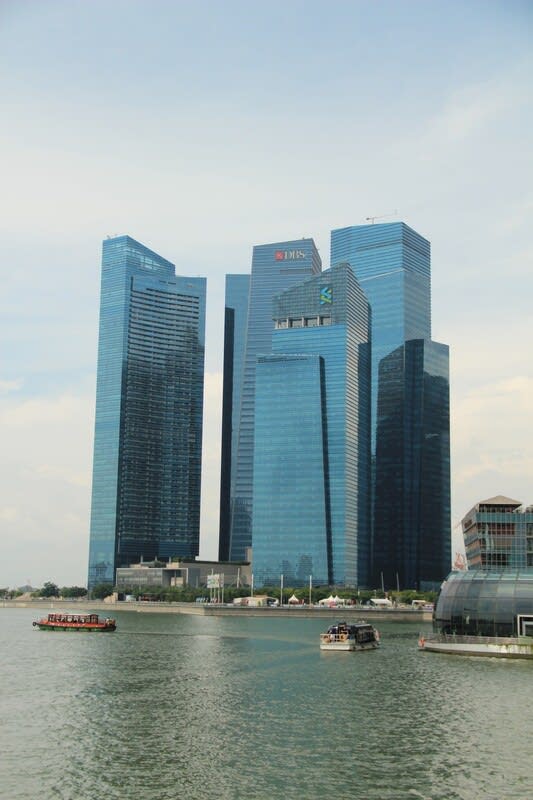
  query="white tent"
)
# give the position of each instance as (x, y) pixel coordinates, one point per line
(327, 601)
(293, 599)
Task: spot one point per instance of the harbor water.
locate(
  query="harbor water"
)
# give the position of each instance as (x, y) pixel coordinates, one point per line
(206, 708)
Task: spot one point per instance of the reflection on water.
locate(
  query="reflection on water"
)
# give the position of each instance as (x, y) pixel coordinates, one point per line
(207, 708)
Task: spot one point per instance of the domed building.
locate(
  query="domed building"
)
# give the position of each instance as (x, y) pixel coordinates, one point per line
(484, 612)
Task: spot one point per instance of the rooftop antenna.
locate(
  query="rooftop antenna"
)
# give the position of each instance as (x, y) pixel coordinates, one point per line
(381, 216)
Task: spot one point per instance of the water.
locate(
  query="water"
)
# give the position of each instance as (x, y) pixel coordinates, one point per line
(198, 708)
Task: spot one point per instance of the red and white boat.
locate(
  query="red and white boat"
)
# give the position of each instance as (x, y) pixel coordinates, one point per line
(76, 622)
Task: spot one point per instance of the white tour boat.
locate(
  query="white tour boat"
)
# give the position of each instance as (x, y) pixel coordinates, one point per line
(350, 637)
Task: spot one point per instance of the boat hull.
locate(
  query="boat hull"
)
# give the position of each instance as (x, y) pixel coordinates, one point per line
(348, 646)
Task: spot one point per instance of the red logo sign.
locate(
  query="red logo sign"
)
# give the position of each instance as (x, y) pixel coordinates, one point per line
(279, 255)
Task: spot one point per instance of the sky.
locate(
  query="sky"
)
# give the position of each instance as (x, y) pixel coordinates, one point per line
(202, 129)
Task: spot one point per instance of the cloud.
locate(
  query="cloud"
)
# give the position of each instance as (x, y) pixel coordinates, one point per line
(7, 387)
(470, 109)
(42, 411)
(45, 477)
(492, 448)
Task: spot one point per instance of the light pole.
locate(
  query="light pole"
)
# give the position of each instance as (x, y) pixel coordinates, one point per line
(281, 592)
(310, 588)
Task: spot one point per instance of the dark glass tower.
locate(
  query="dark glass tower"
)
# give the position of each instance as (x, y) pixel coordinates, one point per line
(311, 493)
(392, 264)
(412, 493)
(275, 267)
(149, 406)
(235, 318)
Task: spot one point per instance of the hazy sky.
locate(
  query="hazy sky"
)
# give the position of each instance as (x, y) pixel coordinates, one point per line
(203, 128)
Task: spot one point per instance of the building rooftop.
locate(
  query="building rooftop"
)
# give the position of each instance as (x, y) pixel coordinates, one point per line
(500, 500)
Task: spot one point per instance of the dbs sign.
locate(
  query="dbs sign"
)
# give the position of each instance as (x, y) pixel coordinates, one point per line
(288, 255)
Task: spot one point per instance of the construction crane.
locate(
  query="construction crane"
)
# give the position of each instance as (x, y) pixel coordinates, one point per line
(381, 216)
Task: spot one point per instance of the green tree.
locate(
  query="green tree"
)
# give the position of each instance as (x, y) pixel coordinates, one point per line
(73, 591)
(49, 590)
(102, 590)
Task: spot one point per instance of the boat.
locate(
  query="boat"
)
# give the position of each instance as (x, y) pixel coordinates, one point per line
(350, 637)
(91, 623)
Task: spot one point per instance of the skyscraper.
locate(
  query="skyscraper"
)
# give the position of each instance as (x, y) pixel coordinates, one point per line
(275, 267)
(311, 498)
(149, 405)
(235, 319)
(412, 492)
(392, 264)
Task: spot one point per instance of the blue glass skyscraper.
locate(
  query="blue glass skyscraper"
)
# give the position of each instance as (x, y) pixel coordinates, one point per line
(311, 492)
(149, 406)
(392, 263)
(275, 267)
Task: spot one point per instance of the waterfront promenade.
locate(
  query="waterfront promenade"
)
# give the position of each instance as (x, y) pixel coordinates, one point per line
(228, 610)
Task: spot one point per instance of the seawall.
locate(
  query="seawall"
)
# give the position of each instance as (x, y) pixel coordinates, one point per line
(217, 610)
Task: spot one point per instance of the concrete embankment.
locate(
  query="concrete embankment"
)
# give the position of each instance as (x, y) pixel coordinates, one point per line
(216, 610)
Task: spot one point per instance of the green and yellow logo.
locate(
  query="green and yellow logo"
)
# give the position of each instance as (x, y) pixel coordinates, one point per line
(326, 295)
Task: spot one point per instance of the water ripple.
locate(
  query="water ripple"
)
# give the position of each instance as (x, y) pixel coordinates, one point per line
(205, 709)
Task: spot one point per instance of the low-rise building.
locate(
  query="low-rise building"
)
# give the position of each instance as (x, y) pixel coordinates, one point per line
(184, 573)
(498, 534)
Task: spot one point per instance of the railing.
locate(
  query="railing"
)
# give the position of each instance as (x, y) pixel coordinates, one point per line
(335, 637)
(458, 638)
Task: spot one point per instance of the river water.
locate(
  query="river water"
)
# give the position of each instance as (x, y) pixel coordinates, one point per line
(202, 708)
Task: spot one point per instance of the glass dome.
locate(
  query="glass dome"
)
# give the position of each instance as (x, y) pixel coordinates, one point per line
(484, 602)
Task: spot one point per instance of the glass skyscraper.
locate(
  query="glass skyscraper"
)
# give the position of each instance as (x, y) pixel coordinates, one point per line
(311, 493)
(412, 491)
(392, 264)
(275, 267)
(235, 319)
(149, 406)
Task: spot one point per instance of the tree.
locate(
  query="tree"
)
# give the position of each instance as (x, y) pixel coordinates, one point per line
(49, 590)
(102, 590)
(73, 591)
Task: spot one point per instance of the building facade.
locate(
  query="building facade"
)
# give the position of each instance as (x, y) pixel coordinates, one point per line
(275, 267)
(149, 407)
(498, 534)
(311, 476)
(478, 603)
(182, 572)
(412, 473)
(235, 319)
(392, 264)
